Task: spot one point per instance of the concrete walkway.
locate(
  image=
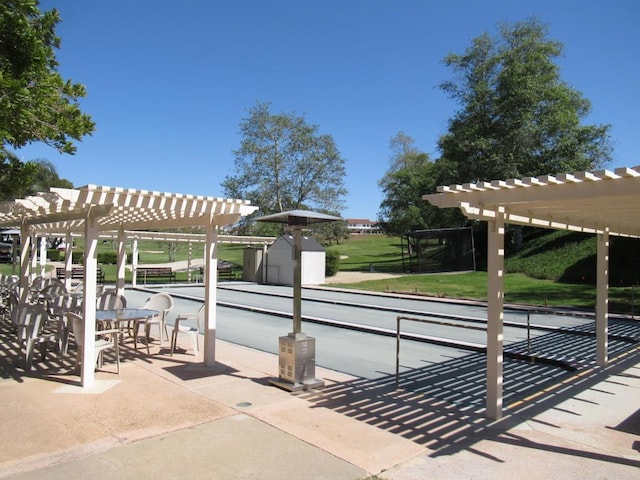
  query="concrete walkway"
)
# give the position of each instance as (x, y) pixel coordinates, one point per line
(168, 417)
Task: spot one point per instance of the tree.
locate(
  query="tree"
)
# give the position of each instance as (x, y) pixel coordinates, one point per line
(45, 176)
(283, 164)
(19, 179)
(517, 117)
(36, 103)
(15, 176)
(411, 175)
(328, 232)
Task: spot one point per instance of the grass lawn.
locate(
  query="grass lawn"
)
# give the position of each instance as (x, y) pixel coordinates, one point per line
(519, 289)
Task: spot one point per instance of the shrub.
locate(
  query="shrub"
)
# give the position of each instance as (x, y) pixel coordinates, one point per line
(107, 258)
(332, 262)
(53, 255)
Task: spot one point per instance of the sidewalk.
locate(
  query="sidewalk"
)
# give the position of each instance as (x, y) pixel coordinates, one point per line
(169, 417)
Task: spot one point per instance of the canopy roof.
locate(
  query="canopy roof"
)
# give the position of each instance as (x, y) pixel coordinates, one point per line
(590, 202)
(63, 209)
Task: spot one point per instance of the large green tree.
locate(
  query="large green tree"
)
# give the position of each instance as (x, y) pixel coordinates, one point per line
(517, 118)
(411, 174)
(36, 103)
(19, 179)
(283, 163)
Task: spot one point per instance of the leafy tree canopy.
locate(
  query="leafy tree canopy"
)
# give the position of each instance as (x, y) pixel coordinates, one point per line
(36, 103)
(283, 163)
(410, 176)
(19, 179)
(517, 118)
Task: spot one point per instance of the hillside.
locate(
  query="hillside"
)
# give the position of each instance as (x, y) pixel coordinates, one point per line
(570, 257)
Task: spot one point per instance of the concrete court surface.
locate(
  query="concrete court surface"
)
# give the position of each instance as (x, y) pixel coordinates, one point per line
(169, 417)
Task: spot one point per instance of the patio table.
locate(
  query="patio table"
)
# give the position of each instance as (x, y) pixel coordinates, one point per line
(120, 315)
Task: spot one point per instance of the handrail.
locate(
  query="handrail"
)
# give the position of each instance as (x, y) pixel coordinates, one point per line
(423, 320)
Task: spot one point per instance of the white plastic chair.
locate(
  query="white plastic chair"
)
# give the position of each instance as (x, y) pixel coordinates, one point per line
(163, 303)
(193, 331)
(110, 300)
(34, 317)
(58, 308)
(105, 340)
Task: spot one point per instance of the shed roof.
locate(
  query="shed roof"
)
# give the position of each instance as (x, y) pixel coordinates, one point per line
(592, 202)
(309, 244)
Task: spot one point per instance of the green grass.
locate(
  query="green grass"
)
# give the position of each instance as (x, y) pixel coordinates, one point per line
(359, 252)
(534, 275)
(519, 289)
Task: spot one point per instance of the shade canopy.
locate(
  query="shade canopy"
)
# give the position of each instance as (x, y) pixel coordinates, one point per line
(63, 209)
(603, 203)
(591, 202)
(302, 218)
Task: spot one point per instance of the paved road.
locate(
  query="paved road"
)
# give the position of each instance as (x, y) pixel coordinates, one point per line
(434, 369)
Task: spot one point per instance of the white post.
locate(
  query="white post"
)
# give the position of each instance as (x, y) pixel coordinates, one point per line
(189, 262)
(43, 255)
(210, 293)
(68, 259)
(263, 272)
(34, 256)
(602, 299)
(495, 303)
(87, 377)
(25, 260)
(121, 261)
(134, 264)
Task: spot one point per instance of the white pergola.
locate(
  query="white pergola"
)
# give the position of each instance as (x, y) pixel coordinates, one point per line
(95, 211)
(603, 203)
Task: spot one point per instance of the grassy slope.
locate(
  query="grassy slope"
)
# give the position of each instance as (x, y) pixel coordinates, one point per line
(533, 276)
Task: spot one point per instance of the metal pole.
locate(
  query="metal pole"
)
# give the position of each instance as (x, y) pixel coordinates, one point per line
(528, 333)
(297, 281)
(397, 352)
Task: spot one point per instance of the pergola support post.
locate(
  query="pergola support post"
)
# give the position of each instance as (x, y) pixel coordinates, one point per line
(602, 299)
(210, 293)
(495, 313)
(121, 261)
(68, 259)
(25, 260)
(87, 374)
(134, 264)
(43, 255)
(33, 257)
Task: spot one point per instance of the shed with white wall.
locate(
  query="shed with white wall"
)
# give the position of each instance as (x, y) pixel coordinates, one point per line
(280, 261)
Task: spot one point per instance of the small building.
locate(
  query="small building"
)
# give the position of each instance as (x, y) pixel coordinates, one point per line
(280, 261)
(362, 226)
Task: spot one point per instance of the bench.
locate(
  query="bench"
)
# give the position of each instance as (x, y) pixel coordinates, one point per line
(159, 273)
(225, 270)
(77, 273)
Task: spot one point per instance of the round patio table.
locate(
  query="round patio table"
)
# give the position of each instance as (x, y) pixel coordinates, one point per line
(120, 315)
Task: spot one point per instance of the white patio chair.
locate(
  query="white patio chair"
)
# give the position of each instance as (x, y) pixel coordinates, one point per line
(110, 300)
(193, 331)
(163, 304)
(33, 319)
(105, 340)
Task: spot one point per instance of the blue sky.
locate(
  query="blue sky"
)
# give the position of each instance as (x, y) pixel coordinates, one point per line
(169, 82)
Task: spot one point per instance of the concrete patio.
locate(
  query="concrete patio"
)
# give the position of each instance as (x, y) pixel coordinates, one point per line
(165, 417)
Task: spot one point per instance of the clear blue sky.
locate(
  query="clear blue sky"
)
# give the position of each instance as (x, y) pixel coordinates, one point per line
(169, 82)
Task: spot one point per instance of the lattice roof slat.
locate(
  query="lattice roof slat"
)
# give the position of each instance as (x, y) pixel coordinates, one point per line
(63, 209)
(583, 201)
